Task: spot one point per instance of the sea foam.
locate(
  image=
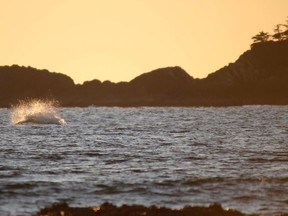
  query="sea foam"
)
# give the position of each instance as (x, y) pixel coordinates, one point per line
(36, 112)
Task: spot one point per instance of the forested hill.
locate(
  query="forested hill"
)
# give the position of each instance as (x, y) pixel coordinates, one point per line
(259, 76)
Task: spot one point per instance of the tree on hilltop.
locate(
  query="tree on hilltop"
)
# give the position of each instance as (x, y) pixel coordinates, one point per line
(285, 33)
(278, 33)
(281, 32)
(261, 37)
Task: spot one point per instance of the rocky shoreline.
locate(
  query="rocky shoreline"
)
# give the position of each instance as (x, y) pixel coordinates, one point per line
(108, 209)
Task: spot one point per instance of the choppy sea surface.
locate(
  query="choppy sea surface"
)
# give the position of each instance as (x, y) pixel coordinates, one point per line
(235, 156)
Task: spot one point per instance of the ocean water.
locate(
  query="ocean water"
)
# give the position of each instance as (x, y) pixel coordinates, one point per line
(235, 156)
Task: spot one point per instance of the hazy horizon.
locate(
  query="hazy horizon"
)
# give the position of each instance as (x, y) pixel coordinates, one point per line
(118, 41)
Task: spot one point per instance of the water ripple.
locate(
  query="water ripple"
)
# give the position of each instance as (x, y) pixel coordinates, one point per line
(236, 156)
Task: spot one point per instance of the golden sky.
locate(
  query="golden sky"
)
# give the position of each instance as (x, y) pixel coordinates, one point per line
(118, 40)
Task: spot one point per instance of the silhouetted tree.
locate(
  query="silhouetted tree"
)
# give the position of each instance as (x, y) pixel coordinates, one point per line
(278, 33)
(281, 32)
(285, 33)
(261, 37)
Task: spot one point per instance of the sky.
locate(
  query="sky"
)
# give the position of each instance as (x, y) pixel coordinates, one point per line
(118, 40)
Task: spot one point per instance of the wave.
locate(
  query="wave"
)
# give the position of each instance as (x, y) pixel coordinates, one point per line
(36, 112)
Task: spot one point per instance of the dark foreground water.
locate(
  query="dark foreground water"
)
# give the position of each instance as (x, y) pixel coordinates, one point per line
(236, 156)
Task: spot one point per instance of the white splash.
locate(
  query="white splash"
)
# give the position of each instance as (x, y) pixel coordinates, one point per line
(36, 112)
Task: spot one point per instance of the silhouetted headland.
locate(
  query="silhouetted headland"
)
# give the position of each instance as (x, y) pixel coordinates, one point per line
(259, 76)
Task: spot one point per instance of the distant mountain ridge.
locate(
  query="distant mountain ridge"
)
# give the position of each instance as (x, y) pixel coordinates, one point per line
(259, 76)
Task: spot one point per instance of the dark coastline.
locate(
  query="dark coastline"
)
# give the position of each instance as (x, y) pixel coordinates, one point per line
(259, 76)
(108, 209)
